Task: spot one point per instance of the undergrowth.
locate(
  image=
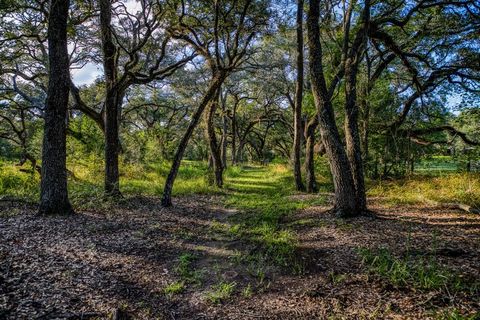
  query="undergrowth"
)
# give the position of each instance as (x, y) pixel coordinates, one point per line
(421, 189)
(419, 272)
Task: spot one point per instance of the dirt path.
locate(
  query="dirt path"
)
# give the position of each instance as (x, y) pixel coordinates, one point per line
(89, 265)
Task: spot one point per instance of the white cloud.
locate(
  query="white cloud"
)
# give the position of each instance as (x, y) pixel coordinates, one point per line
(87, 74)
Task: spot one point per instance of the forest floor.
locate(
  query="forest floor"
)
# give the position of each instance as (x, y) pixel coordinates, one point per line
(253, 252)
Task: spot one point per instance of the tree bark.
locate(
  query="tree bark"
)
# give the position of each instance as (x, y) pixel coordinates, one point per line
(344, 200)
(234, 134)
(215, 84)
(298, 131)
(224, 131)
(53, 189)
(352, 136)
(352, 132)
(309, 155)
(112, 102)
(213, 144)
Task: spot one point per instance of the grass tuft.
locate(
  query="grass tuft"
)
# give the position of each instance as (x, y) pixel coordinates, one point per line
(221, 292)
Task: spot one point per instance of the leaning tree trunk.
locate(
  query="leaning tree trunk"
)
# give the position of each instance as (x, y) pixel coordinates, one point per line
(53, 189)
(344, 200)
(112, 101)
(213, 144)
(309, 155)
(215, 83)
(298, 131)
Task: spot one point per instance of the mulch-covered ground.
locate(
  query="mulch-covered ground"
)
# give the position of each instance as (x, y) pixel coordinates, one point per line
(117, 262)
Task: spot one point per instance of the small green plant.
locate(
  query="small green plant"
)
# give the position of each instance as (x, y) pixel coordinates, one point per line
(221, 292)
(174, 288)
(247, 291)
(185, 269)
(336, 278)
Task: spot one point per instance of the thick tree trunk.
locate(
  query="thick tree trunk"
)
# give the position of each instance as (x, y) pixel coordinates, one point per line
(112, 101)
(113, 104)
(309, 155)
(344, 201)
(298, 130)
(352, 132)
(215, 84)
(352, 136)
(213, 144)
(53, 189)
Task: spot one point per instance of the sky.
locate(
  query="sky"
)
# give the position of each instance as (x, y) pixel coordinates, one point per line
(88, 73)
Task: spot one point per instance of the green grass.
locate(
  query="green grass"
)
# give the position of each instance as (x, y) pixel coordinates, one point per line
(436, 164)
(457, 315)
(419, 189)
(264, 197)
(86, 184)
(17, 184)
(423, 273)
(221, 292)
(186, 271)
(174, 288)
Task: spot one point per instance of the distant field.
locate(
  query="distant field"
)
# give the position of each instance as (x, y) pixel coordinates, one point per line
(445, 163)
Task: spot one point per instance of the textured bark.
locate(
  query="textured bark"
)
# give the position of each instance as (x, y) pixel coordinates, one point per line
(344, 201)
(298, 130)
(112, 102)
(215, 84)
(352, 136)
(352, 132)
(224, 131)
(311, 182)
(53, 192)
(234, 134)
(213, 143)
(239, 153)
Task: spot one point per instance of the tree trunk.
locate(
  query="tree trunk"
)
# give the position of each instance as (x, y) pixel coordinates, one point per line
(215, 83)
(113, 101)
(309, 155)
(352, 132)
(224, 132)
(234, 135)
(113, 104)
(298, 130)
(239, 153)
(344, 200)
(352, 135)
(212, 142)
(53, 189)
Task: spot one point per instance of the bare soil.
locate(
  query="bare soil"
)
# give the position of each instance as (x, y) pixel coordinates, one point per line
(117, 262)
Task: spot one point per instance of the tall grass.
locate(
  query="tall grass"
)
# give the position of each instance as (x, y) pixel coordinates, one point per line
(86, 180)
(421, 189)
